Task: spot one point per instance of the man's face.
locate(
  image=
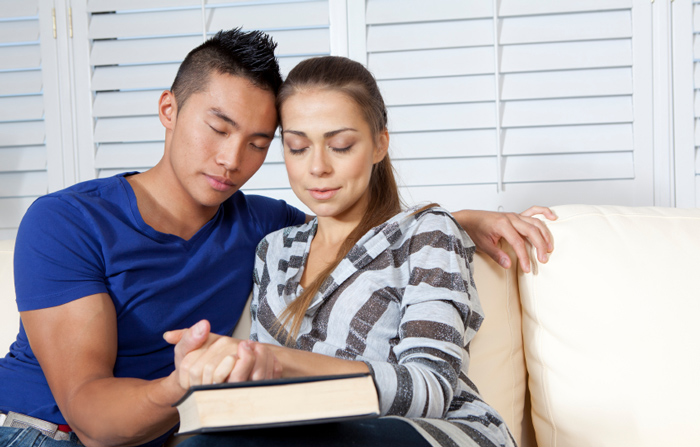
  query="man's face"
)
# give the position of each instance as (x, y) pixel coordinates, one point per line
(219, 138)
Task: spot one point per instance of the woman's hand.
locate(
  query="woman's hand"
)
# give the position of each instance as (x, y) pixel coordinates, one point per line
(487, 228)
(223, 359)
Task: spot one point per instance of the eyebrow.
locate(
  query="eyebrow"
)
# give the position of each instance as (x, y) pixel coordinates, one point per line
(329, 134)
(221, 115)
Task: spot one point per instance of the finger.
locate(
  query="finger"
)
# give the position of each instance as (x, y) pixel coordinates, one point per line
(223, 370)
(188, 368)
(264, 362)
(498, 255)
(270, 369)
(192, 339)
(537, 235)
(207, 374)
(173, 337)
(546, 234)
(278, 369)
(546, 212)
(244, 366)
(515, 239)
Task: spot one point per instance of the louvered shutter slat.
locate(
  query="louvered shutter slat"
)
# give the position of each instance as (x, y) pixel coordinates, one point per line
(568, 83)
(438, 90)
(25, 158)
(18, 8)
(25, 56)
(24, 108)
(418, 36)
(20, 82)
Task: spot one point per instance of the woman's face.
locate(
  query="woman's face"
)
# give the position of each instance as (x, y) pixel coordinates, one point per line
(329, 151)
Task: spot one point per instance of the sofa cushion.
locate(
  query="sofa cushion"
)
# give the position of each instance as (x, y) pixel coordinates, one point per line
(497, 360)
(610, 328)
(9, 316)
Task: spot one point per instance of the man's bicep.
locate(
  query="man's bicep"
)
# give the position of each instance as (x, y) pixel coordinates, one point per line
(74, 343)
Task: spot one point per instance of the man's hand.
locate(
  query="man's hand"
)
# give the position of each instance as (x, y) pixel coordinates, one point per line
(219, 359)
(487, 228)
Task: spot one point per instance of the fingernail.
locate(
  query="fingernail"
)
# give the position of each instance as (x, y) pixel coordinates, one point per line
(246, 346)
(198, 329)
(504, 262)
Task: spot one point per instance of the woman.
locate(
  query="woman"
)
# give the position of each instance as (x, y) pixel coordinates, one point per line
(365, 286)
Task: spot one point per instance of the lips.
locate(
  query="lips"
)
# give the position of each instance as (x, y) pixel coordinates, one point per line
(220, 183)
(323, 194)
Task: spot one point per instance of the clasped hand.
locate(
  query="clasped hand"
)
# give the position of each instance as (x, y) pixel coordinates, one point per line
(203, 358)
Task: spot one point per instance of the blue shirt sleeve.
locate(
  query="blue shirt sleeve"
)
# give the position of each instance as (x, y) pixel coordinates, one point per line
(57, 257)
(274, 214)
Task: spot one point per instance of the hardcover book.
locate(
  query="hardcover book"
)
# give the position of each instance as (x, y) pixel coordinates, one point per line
(303, 400)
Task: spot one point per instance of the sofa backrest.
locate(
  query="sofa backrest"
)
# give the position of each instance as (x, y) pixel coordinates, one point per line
(611, 331)
(9, 317)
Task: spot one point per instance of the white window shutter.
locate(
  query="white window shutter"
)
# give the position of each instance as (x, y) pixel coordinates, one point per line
(23, 159)
(543, 101)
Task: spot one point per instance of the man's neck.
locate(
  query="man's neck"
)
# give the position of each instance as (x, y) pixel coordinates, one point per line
(162, 206)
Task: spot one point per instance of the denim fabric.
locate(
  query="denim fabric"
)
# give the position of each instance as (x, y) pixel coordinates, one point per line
(30, 437)
(380, 432)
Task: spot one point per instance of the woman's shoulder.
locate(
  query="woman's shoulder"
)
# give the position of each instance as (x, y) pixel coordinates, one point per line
(432, 218)
(289, 237)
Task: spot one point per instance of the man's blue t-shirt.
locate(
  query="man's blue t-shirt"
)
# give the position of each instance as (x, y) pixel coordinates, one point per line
(90, 238)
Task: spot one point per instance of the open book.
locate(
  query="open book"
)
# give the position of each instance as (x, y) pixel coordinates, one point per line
(303, 400)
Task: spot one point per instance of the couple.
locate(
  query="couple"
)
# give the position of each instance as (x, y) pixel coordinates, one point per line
(105, 267)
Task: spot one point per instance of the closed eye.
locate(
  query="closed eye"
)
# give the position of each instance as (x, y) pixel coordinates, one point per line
(259, 148)
(298, 151)
(341, 149)
(217, 131)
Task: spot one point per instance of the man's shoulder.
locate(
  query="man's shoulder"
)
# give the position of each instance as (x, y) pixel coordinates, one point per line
(100, 188)
(79, 204)
(265, 212)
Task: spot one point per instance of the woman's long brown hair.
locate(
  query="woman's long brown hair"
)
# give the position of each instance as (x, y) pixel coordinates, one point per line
(352, 79)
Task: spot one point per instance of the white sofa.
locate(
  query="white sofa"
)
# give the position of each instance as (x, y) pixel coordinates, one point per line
(598, 347)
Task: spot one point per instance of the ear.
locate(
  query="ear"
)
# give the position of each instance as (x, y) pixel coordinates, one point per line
(382, 147)
(167, 109)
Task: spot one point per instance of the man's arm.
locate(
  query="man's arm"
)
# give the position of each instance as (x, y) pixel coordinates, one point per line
(487, 228)
(76, 345)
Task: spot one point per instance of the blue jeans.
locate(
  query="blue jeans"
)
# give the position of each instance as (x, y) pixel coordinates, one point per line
(30, 437)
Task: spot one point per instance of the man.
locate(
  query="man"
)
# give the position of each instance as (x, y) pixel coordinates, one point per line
(104, 268)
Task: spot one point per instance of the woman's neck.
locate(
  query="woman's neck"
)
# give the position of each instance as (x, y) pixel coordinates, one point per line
(331, 234)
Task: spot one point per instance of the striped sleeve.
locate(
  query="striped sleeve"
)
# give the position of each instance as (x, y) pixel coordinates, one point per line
(440, 314)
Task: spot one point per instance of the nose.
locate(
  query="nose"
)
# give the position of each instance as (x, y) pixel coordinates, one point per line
(230, 155)
(320, 164)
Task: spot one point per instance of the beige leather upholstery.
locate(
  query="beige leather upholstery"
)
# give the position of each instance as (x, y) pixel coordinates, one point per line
(611, 329)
